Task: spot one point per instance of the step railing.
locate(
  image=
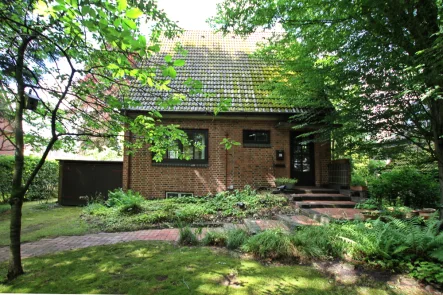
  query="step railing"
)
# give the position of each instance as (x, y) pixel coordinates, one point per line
(339, 174)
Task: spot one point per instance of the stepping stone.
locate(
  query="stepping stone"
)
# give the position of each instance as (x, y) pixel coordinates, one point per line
(234, 226)
(251, 226)
(255, 226)
(294, 221)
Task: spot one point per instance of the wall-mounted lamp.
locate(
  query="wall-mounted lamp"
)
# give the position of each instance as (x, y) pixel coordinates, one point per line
(31, 101)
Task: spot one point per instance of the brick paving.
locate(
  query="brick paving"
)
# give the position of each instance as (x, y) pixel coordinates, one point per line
(63, 243)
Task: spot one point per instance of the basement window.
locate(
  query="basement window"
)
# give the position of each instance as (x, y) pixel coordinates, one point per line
(256, 138)
(178, 194)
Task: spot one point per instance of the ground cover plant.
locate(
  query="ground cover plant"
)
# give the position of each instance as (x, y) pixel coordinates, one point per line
(413, 246)
(162, 268)
(129, 211)
(44, 219)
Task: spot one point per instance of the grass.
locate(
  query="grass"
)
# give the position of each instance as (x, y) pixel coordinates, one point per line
(162, 268)
(41, 220)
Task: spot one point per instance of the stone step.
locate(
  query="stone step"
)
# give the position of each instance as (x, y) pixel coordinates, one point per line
(294, 221)
(256, 225)
(325, 204)
(307, 190)
(315, 190)
(319, 197)
(324, 215)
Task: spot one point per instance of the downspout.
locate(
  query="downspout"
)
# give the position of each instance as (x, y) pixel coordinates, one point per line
(128, 180)
(226, 172)
(226, 164)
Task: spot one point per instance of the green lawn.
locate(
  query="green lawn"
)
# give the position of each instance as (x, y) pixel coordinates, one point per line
(44, 220)
(162, 268)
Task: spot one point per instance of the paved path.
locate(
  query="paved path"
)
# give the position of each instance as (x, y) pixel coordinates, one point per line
(47, 246)
(63, 243)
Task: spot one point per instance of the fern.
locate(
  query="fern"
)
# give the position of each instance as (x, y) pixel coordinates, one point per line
(395, 239)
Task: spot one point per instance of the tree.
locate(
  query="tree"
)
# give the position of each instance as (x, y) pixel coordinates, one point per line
(78, 57)
(378, 64)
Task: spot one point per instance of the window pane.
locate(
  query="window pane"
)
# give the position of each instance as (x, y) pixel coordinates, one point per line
(199, 142)
(256, 136)
(262, 137)
(188, 152)
(173, 152)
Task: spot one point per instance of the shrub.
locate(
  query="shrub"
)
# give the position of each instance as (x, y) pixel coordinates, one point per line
(394, 243)
(187, 237)
(284, 180)
(214, 238)
(413, 188)
(236, 238)
(118, 197)
(317, 242)
(369, 204)
(270, 244)
(44, 186)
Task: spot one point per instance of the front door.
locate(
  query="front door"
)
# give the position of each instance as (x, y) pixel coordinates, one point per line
(302, 160)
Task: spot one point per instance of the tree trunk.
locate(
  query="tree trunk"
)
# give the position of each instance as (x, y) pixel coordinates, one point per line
(15, 264)
(17, 194)
(437, 130)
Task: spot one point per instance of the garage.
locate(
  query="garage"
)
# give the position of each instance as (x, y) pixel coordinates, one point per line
(79, 178)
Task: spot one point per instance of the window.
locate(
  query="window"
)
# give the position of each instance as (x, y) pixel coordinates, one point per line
(178, 194)
(256, 138)
(194, 153)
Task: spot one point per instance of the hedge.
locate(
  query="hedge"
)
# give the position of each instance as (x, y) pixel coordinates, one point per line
(412, 187)
(44, 186)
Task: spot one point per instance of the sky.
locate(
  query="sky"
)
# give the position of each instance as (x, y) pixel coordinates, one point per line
(190, 14)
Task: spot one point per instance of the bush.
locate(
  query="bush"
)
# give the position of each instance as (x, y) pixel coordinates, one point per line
(187, 237)
(394, 243)
(214, 238)
(317, 242)
(44, 186)
(270, 244)
(413, 188)
(236, 238)
(118, 197)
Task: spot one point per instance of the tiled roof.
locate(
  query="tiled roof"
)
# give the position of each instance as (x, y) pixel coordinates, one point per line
(225, 67)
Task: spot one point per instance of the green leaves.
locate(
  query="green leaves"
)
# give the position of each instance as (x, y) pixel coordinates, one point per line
(169, 72)
(228, 143)
(122, 4)
(134, 12)
(179, 63)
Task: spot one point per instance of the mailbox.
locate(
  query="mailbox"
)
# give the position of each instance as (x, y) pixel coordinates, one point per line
(280, 155)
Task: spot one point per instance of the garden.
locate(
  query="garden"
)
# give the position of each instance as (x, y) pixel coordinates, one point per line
(130, 211)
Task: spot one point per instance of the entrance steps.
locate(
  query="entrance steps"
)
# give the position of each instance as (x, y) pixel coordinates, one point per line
(322, 204)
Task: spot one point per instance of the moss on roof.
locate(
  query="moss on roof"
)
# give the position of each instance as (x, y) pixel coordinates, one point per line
(225, 66)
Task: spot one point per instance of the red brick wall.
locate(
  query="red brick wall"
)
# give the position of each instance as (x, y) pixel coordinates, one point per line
(253, 166)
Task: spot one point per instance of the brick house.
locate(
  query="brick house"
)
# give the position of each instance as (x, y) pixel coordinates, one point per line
(269, 148)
